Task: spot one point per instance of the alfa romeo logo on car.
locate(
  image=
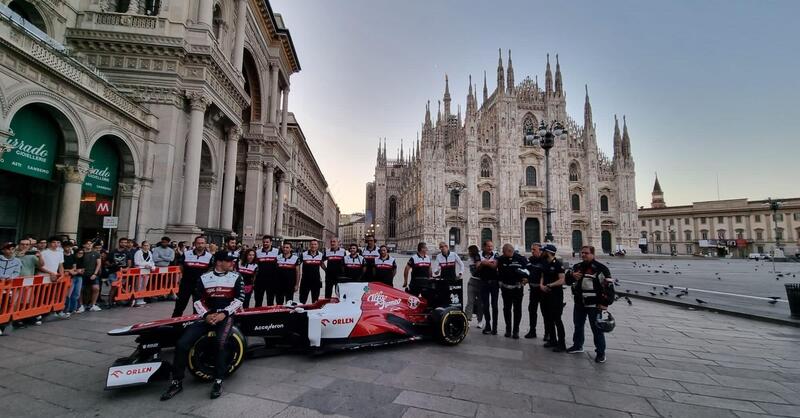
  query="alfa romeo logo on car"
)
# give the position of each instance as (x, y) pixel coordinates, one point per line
(413, 302)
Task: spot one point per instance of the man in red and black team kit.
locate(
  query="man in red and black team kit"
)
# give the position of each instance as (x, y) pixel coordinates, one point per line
(218, 295)
(353, 265)
(195, 263)
(311, 282)
(287, 280)
(385, 267)
(370, 252)
(334, 266)
(267, 257)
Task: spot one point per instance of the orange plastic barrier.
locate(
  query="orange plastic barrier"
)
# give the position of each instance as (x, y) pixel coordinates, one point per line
(135, 283)
(26, 297)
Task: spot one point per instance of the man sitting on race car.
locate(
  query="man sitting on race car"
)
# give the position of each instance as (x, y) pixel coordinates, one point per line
(219, 293)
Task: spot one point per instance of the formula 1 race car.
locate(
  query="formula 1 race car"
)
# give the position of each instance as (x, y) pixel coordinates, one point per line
(363, 315)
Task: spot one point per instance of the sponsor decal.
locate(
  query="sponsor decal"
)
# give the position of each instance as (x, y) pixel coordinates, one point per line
(454, 299)
(343, 321)
(413, 302)
(132, 372)
(268, 327)
(146, 346)
(325, 322)
(382, 301)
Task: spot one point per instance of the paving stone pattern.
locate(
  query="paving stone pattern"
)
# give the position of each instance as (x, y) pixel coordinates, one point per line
(662, 361)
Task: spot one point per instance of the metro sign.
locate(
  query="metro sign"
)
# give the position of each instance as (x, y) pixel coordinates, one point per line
(103, 207)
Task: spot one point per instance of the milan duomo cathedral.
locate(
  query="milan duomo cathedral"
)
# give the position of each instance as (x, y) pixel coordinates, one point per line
(476, 177)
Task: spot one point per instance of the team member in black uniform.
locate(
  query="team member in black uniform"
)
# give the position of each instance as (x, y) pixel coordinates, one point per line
(448, 264)
(419, 265)
(265, 278)
(353, 265)
(551, 284)
(311, 281)
(370, 253)
(247, 266)
(591, 281)
(334, 266)
(232, 250)
(288, 275)
(513, 274)
(195, 263)
(385, 267)
(486, 268)
(218, 295)
(535, 266)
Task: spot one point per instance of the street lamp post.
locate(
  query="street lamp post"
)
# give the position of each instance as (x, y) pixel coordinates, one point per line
(545, 136)
(774, 205)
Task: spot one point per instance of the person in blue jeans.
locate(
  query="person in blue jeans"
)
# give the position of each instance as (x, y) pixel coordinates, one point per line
(590, 281)
(73, 266)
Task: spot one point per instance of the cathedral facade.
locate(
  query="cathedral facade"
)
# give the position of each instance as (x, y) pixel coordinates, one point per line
(472, 178)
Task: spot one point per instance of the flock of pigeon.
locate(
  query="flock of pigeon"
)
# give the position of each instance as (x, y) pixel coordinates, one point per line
(679, 293)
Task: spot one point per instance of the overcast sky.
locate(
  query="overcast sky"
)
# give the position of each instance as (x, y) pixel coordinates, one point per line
(711, 89)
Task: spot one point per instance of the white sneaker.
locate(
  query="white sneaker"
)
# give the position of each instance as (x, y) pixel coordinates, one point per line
(480, 324)
(38, 321)
(81, 310)
(95, 308)
(140, 302)
(62, 315)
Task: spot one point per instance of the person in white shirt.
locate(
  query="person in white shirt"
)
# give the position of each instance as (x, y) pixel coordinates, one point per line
(143, 259)
(53, 259)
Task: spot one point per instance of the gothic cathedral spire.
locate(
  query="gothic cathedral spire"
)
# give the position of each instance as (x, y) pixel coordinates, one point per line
(559, 83)
(501, 79)
(446, 97)
(548, 78)
(626, 140)
(587, 111)
(617, 140)
(485, 90)
(510, 76)
(657, 196)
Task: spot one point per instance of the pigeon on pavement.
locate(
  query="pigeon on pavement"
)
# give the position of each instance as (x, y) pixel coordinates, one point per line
(700, 301)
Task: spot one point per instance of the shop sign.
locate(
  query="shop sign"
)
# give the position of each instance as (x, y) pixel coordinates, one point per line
(102, 176)
(741, 243)
(34, 145)
(103, 207)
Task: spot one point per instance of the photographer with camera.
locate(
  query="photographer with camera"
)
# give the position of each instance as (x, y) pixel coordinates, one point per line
(593, 289)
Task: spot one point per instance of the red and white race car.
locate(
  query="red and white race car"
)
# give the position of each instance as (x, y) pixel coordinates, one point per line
(363, 315)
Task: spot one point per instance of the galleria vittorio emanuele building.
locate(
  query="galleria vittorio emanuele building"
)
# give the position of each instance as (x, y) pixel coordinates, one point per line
(170, 115)
(474, 177)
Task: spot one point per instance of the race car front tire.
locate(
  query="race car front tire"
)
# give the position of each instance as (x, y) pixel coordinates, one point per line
(203, 352)
(450, 325)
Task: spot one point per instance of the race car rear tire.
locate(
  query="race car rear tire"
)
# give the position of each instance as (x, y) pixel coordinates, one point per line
(450, 325)
(202, 354)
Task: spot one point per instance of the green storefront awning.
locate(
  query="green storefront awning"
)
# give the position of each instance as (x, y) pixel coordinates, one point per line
(35, 144)
(102, 176)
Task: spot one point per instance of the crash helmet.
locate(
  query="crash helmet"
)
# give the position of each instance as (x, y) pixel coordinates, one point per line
(605, 321)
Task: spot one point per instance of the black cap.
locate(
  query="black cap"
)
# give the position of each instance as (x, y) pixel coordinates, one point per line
(223, 255)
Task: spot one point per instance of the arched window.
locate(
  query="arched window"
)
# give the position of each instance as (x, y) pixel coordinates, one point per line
(486, 199)
(575, 202)
(392, 217)
(530, 176)
(216, 21)
(454, 197)
(28, 12)
(528, 129)
(573, 172)
(603, 203)
(486, 166)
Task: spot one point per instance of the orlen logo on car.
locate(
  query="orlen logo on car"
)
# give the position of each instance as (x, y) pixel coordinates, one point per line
(343, 321)
(325, 322)
(131, 372)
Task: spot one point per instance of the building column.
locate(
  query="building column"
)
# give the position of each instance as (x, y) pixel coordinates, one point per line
(269, 187)
(285, 111)
(279, 210)
(238, 44)
(129, 197)
(205, 13)
(252, 204)
(273, 95)
(69, 211)
(229, 181)
(191, 171)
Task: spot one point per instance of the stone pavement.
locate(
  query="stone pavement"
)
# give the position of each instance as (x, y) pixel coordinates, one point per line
(662, 361)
